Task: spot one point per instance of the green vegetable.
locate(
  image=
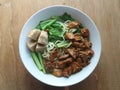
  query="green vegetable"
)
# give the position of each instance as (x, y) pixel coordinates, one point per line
(57, 25)
(35, 58)
(65, 17)
(46, 23)
(52, 38)
(41, 61)
(56, 32)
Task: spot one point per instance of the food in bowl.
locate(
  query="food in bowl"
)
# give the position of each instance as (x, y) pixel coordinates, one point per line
(44, 14)
(60, 46)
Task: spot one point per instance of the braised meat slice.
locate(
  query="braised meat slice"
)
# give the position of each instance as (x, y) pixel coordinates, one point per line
(63, 57)
(78, 44)
(82, 45)
(73, 68)
(72, 52)
(57, 72)
(76, 67)
(79, 60)
(69, 36)
(85, 32)
(73, 24)
(87, 44)
(53, 55)
(49, 66)
(63, 63)
(84, 56)
(78, 37)
(67, 71)
(90, 53)
(85, 64)
(75, 44)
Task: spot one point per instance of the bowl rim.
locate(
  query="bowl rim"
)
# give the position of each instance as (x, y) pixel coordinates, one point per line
(65, 6)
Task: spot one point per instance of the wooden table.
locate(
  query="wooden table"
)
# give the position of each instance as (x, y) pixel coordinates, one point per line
(13, 15)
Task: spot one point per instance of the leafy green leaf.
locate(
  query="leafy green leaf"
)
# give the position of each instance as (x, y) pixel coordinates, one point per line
(53, 38)
(45, 24)
(56, 32)
(57, 25)
(66, 17)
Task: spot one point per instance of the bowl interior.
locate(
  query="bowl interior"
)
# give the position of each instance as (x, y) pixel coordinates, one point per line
(45, 14)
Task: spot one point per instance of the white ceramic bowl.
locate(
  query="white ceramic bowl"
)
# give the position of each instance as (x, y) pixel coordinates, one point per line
(45, 14)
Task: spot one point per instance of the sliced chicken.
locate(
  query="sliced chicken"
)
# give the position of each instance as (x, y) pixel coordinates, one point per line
(85, 32)
(69, 36)
(34, 34)
(72, 52)
(57, 72)
(76, 67)
(63, 63)
(85, 63)
(87, 43)
(76, 44)
(90, 53)
(49, 67)
(53, 55)
(31, 44)
(73, 24)
(78, 37)
(64, 57)
(67, 71)
(43, 38)
(73, 68)
(79, 60)
(84, 56)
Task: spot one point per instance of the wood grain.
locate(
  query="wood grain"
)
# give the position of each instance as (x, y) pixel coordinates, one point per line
(13, 15)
